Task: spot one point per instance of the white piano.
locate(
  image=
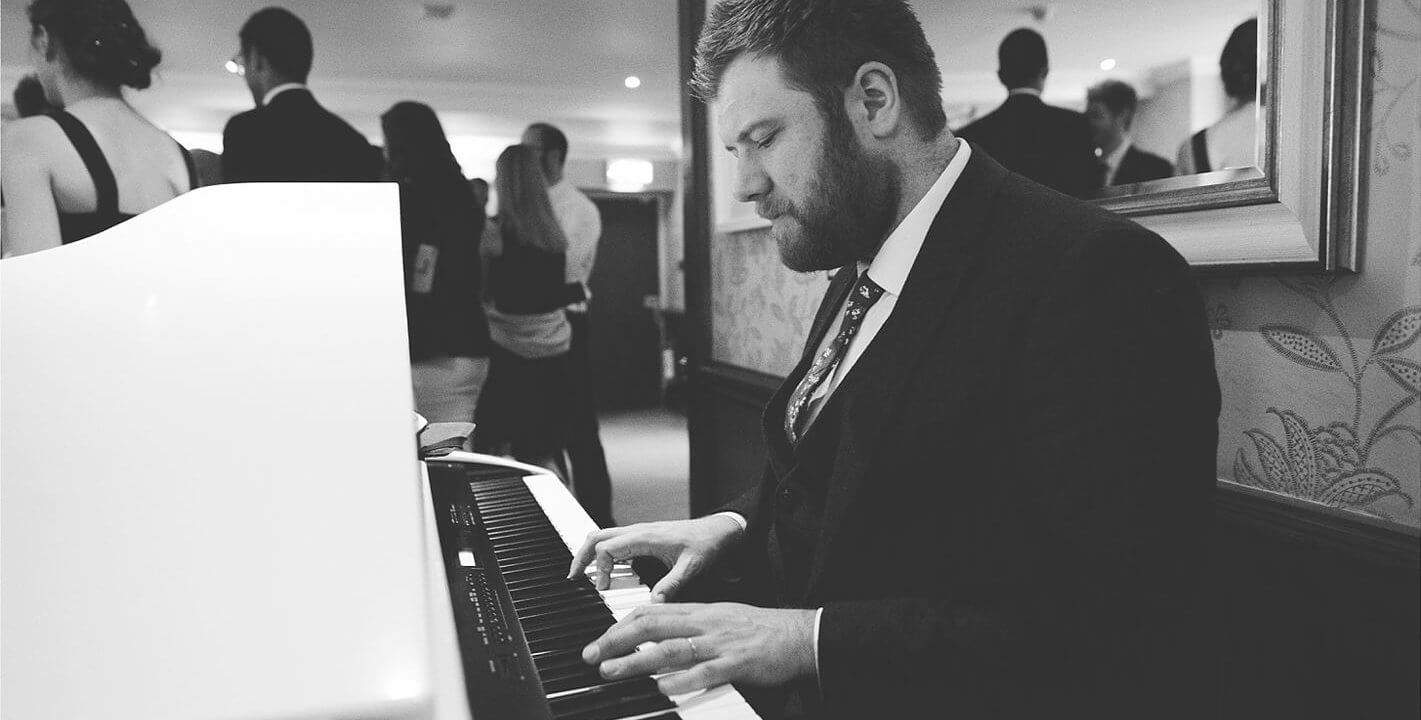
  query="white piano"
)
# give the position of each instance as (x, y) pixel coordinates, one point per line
(210, 505)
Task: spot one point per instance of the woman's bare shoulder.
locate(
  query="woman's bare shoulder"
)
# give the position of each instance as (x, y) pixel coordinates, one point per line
(31, 138)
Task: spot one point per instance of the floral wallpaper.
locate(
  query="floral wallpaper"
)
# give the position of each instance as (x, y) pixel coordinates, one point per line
(760, 310)
(1321, 376)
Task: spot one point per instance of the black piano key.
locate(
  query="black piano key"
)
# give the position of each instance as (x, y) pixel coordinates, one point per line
(571, 627)
(542, 616)
(565, 640)
(547, 587)
(608, 702)
(569, 681)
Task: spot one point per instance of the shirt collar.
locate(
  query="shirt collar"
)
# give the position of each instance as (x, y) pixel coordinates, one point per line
(1118, 154)
(1024, 91)
(891, 265)
(279, 89)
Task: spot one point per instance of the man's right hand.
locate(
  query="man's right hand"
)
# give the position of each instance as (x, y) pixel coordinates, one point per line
(685, 546)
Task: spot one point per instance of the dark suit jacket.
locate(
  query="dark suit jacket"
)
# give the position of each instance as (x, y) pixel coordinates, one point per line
(1023, 472)
(293, 138)
(1139, 166)
(1050, 145)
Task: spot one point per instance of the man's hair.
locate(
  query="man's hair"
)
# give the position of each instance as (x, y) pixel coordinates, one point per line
(281, 38)
(1021, 58)
(1117, 97)
(1238, 63)
(820, 46)
(552, 138)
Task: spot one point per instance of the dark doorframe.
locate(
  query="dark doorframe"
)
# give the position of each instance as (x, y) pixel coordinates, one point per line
(695, 187)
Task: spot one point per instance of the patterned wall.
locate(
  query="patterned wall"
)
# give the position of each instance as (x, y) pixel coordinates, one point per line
(1321, 376)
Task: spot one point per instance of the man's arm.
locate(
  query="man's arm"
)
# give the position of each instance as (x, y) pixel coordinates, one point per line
(1116, 401)
(240, 148)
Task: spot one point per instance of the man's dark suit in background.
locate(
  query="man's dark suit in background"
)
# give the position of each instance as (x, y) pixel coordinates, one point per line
(288, 136)
(1139, 166)
(1048, 144)
(294, 138)
(1000, 507)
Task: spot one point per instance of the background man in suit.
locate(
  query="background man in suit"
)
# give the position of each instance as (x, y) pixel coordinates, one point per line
(582, 225)
(1110, 107)
(989, 472)
(1048, 144)
(289, 136)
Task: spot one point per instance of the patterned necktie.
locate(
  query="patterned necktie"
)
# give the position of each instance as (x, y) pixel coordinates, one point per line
(865, 293)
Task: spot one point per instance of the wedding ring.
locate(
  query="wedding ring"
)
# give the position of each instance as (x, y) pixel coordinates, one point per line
(692, 643)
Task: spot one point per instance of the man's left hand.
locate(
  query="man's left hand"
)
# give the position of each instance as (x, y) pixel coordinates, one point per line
(714, 644)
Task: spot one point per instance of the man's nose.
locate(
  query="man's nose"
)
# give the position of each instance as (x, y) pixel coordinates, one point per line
(751, 183)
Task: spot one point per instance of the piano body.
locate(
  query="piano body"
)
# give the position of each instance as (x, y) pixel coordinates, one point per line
(210, 502)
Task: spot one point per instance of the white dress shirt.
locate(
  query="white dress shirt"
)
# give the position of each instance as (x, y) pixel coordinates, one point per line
(890, 268)
(582, 225)
(279, 89)
(1113, 159)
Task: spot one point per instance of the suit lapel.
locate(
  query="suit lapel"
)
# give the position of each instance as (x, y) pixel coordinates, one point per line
(772, 419)
(880, 375)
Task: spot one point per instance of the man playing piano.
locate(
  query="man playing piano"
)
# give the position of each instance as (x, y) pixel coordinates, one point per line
(989, 475)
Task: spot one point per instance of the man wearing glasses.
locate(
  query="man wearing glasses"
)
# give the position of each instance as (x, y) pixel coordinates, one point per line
(288, 136)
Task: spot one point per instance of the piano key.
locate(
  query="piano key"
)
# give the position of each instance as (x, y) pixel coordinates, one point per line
(532, 543)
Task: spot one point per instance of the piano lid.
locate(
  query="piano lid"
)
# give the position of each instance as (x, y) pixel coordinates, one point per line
(211, 496)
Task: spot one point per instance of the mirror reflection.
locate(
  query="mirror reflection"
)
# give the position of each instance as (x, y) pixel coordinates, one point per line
(1101, 99)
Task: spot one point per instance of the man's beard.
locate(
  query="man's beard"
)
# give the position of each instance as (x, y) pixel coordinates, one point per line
(847, 212)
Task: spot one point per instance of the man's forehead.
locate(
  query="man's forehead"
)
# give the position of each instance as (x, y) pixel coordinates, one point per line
(753, 88)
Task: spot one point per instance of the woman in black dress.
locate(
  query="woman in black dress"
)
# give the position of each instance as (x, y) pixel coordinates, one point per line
(80, 170)
(528, 388)
(440, 225)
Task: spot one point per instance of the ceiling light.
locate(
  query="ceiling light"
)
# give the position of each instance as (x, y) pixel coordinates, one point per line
(632, 82)
(1107, 64)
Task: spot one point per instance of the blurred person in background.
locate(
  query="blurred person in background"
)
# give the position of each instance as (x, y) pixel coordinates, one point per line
(439, 224)
(1230, 142)
(525, 411)
(97, 162)
(1110, 108)
(288, 136)
(582, 224)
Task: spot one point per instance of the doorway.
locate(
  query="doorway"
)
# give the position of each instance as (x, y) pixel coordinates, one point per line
(626, 338)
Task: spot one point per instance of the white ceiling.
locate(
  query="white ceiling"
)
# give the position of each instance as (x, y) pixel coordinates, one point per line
(495, 65)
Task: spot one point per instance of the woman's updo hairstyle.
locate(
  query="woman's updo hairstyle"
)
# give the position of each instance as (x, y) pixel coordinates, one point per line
(104, 41)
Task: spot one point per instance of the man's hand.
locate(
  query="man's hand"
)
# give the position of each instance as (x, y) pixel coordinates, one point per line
(714, 644)
(686, 546)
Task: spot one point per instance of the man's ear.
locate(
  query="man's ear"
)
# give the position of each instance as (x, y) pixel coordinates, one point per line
(872, 99)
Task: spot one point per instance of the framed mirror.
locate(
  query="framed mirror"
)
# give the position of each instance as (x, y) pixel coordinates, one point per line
(1293, 206)
(1297, 208)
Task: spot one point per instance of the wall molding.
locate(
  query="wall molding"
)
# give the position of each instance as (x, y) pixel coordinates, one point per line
(1322, 528)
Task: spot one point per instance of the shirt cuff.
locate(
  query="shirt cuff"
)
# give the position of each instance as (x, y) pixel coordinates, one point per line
(737, 517)
(818, 614)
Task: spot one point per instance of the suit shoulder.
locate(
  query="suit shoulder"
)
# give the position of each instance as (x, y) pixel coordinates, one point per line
(243, 120)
